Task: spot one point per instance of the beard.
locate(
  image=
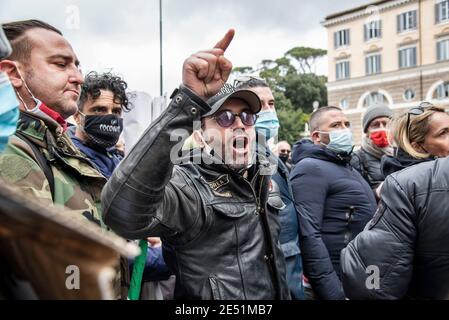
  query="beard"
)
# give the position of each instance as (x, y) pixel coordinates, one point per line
(63, 105)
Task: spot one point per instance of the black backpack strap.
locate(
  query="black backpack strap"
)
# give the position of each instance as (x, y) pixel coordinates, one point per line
(42, 162)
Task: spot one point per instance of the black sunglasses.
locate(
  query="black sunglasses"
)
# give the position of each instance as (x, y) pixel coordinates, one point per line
(416, 111)
(226, 118)
(244, 79)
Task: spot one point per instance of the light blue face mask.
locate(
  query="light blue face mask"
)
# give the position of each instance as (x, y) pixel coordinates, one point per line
(9, 110)
(267, 124)
(340, 141)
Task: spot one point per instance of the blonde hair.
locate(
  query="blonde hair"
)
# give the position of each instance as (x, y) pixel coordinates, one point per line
(418, 127)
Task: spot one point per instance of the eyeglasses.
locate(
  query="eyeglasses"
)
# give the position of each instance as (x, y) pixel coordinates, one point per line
(284, 151)
(416, 111)
(226, 118)
(244, 79)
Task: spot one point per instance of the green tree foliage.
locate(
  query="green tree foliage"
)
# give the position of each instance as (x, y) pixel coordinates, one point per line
(295, 87)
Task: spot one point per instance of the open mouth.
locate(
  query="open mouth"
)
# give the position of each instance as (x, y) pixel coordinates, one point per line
(240, 144)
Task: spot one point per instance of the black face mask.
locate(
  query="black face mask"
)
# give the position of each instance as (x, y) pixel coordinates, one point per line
(103, 131)
(283, 157)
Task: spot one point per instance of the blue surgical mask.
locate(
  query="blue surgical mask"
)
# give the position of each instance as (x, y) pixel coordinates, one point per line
(267, 124)
(9, 110)
(340, 141)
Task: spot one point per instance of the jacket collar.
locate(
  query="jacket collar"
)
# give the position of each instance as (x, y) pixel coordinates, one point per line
(305, 148)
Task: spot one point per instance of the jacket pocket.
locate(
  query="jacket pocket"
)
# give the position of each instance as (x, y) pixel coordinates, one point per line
(232, 210)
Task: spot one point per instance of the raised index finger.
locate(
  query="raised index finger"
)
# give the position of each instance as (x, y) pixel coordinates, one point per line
(224, 43)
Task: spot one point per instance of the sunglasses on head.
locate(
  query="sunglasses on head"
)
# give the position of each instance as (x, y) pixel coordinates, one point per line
(416, 111)
(244, 79)
(226, 118)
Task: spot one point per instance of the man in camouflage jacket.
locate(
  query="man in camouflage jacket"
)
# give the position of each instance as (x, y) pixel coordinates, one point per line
(40, 159)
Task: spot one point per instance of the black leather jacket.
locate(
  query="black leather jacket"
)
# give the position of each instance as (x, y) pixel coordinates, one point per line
(406, 240)
(220, 231)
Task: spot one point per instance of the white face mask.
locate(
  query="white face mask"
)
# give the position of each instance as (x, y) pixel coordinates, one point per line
(34, 109)
(340, 140)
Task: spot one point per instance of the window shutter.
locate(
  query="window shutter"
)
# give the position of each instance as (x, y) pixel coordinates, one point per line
(439, 43)
(365, 32)
(348, 41)
(379, 66)
(335, 40)
(400, 59)
(380, 28)
(437, 13)
(398, 19)
(413, 57)
(348, 75)
(414, 20)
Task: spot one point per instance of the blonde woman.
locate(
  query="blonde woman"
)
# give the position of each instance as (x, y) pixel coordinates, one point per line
(403, 252)
(420, 134)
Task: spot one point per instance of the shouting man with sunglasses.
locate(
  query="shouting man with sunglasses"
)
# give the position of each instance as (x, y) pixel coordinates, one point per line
(216, 217)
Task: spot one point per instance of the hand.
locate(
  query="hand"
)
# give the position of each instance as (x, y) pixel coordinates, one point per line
(206, 72)
(154, 242)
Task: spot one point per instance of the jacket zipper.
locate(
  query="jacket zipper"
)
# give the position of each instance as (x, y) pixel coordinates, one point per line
(269, 254)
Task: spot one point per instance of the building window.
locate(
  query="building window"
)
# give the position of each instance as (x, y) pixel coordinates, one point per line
(373, 30)
(406, 21)
(407, 57)
(344, 104)
(341, 38)
(443, 91)
(443, 50)
(442, 11)
(374, 98)
(409, 95)
(372, 64)
(342, 71)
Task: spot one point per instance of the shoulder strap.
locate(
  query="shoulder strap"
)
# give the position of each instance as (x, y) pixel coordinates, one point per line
(42, 162)
(362, 162)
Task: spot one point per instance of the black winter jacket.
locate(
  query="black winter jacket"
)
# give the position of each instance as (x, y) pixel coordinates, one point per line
(401, 160)
(405, 246)
(220, 231)
(334, 204)
(368, 166)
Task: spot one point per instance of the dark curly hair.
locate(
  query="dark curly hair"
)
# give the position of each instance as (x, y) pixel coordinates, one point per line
(94, 82)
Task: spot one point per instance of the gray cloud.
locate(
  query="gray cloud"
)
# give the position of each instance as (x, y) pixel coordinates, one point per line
(124, 34)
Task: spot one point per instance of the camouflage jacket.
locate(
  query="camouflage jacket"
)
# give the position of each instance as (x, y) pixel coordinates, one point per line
(77, 184)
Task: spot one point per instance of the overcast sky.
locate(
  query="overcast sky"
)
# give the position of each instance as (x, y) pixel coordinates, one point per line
(124, 35)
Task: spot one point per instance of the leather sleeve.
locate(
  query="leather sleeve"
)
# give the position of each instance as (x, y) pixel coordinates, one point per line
(145, 196)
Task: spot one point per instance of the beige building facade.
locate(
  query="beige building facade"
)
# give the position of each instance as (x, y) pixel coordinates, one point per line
(394, 52)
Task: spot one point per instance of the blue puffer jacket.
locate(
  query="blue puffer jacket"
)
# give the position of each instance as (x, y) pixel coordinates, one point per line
(289, 236)
(287, 217)
(334, 204)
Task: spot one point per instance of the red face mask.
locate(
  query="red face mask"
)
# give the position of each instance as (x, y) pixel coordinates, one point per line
(380, 138)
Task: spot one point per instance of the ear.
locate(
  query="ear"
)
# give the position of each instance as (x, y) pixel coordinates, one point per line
(315, 136)
(77, 116)
(198, 138)
(10, 68)
(418, 147)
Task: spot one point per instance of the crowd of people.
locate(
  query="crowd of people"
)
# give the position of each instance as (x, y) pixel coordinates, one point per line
(235, 214)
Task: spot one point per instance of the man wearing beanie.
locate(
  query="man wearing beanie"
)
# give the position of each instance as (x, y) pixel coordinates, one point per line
(375, 144)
